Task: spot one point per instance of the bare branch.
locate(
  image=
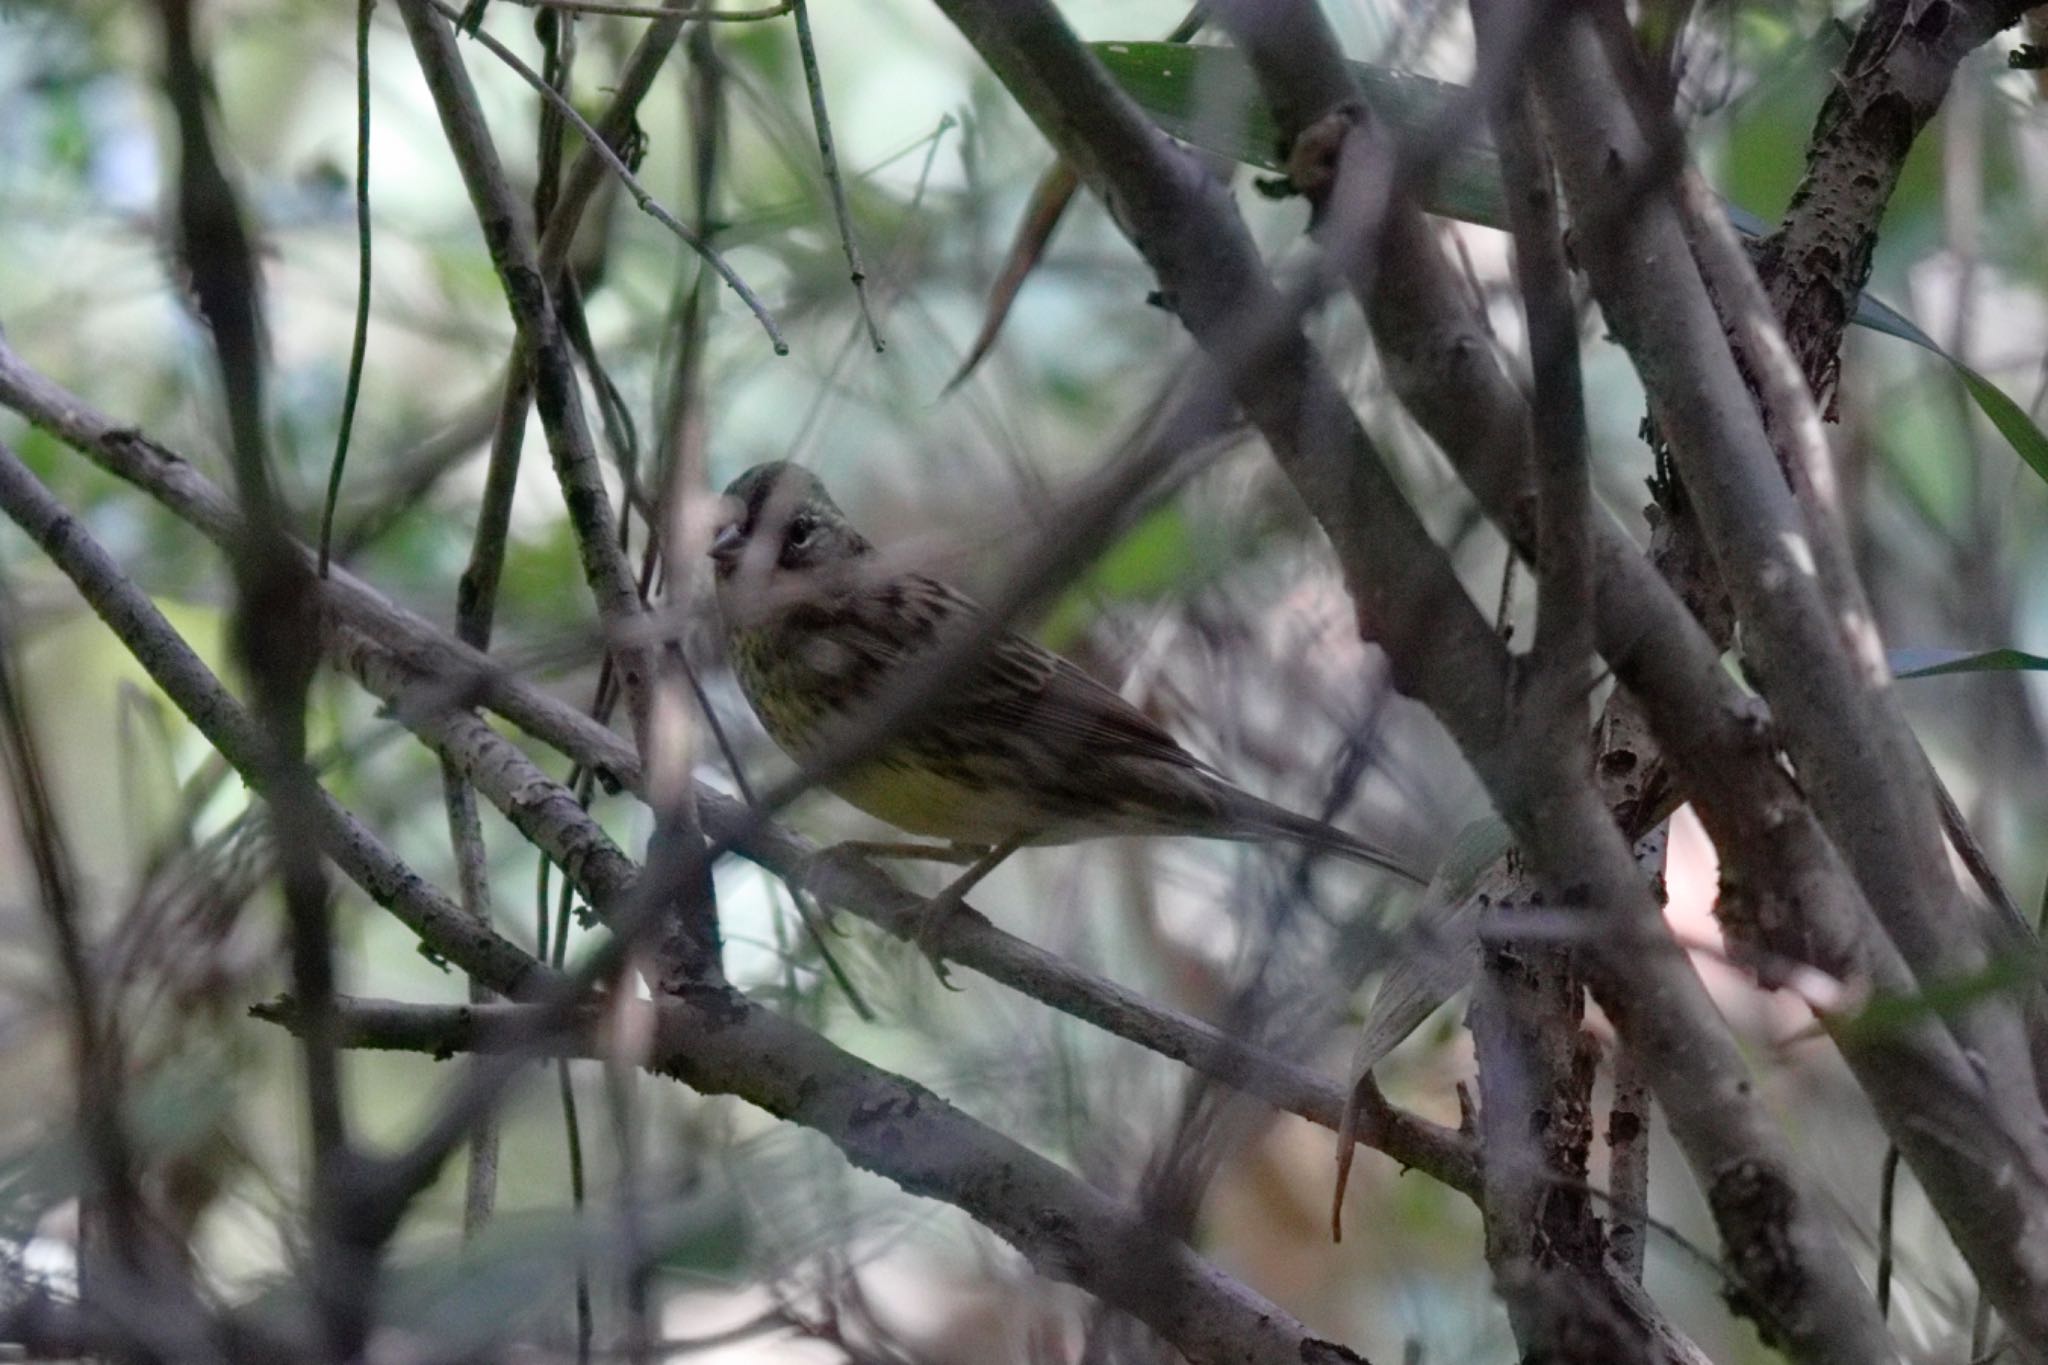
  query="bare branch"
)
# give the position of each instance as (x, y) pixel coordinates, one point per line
(1547, 1248)
(828, 157)
(1439, 648)
(192, 687)
(1892, 80)
(556, 391)
(556, 823)
(598, 146)
(723, 1044)
(277, 637)
(1840, 720)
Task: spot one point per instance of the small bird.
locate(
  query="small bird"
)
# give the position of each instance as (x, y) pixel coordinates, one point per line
(1023, 748)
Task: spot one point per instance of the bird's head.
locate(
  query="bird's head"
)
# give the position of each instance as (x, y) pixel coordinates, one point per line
(779, 524)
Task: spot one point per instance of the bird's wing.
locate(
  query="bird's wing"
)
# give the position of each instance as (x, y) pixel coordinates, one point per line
(1048, 697)
(1020, 686)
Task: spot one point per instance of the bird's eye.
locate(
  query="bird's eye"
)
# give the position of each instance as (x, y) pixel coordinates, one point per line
(800, 532)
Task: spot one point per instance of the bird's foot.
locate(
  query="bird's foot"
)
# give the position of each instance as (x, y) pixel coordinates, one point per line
(932, 918)
(935, 914)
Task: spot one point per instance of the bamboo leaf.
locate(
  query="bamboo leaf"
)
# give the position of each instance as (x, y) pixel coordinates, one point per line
(1934, 663)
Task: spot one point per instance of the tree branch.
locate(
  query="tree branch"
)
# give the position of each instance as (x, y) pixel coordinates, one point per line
(557, 396)
(450, 674)
(1440, 650)
(275, 634)
(1785, 888)
(550, 817)
(723, 1044)
(192, 687)
(1892, 80)
(1839, 718)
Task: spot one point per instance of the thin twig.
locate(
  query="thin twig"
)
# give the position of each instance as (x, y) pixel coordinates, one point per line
(649, 205)
(111, 1216)
(472, 870)
(276, 636)
(572, 1134)
(360, 344)
(828, 157)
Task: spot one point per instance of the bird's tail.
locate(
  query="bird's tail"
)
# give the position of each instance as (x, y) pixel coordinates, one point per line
(1253, 818)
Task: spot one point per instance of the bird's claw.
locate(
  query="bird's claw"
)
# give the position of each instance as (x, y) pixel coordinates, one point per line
(932, 918)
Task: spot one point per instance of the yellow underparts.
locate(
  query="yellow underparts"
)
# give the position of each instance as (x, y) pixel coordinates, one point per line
(923, 801)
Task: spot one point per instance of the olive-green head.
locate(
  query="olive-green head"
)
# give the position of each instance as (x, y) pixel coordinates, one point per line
(779, 516)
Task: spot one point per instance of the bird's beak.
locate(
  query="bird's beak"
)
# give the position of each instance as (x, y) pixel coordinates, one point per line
(726, 546)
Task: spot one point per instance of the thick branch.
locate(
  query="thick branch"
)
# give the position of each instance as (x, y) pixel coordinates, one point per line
(1891, 82)
(1783, 881)
(1536, 1067)
(1840, 720)
(721, 1043)
(1441, 651)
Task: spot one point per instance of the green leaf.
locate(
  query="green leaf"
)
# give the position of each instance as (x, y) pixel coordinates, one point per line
(1911, 663)
(1154, 557)
(1208, 97)
(1999, 409)
(2009, 417)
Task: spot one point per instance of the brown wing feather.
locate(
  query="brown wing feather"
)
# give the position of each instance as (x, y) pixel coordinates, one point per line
(1047, 697)
(1078, 731)
(1025, 688)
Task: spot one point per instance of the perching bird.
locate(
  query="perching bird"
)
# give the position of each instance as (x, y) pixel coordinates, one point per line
(1022, 748)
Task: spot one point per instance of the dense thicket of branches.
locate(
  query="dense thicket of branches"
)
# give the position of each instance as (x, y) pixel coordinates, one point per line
(1278, 516)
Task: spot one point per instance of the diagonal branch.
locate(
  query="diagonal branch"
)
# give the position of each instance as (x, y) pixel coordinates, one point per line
(449, 674)
(556, 392)
(1440, 650)
(597, 145)
(550, 817)
(1841, 720)
(192, 687)
(693, 950)
(724, 1044)
(1892, 80)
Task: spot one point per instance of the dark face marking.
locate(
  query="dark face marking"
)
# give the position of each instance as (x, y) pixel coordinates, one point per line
(784, 506)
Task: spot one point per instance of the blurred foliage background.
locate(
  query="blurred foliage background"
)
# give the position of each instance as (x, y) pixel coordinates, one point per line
(1219, 613)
